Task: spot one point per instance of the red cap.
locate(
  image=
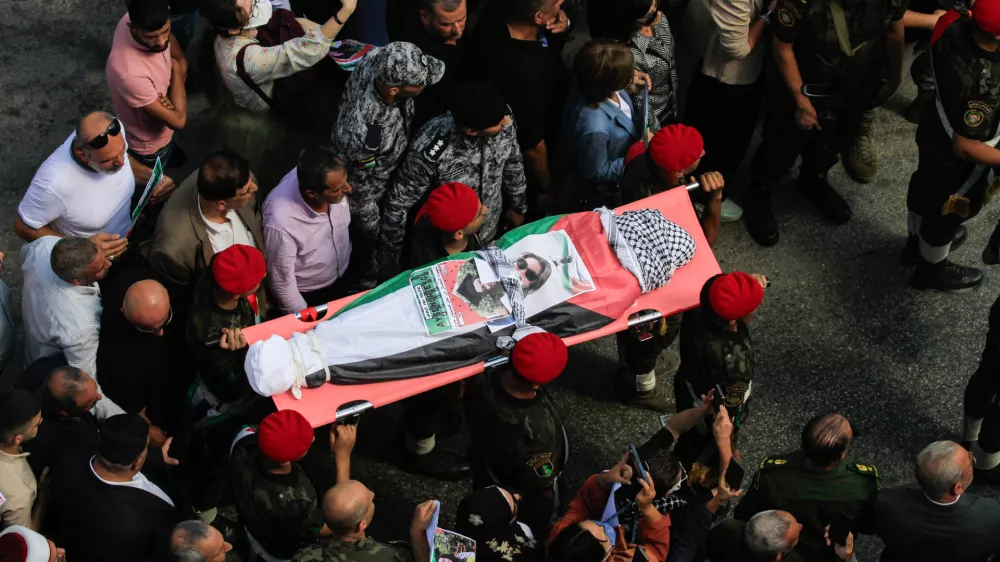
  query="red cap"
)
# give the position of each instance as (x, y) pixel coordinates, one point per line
(539, 357)
(735, 295)
(238, 269)
(986, 15)
(635, 150)
(676, 147)
(285, 436)
(451, 207)
(13, 548)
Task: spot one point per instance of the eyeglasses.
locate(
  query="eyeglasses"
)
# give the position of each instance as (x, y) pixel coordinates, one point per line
(255, 9)
(522, 265)
(170, 316)
(101, 140)
(677, 486)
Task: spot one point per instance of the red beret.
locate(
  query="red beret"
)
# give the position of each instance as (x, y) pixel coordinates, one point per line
(285, 436)
(635, 151)
(676, 147)
(735, 295)
(451, 207)
(13, 548)
(238, 269)
(986, 16)
(539, 357)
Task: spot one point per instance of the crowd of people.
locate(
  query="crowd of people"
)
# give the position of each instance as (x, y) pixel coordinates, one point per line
(134, 421)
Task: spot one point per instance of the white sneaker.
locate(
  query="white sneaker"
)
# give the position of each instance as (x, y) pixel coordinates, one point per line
(731, 212)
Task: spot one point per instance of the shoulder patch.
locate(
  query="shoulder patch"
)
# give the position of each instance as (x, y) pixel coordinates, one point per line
(436, 148)
(771, 462)
(866, 469)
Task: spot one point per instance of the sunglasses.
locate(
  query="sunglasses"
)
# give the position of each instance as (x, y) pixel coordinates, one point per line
(522, 265)
(101, 140)
(170, 316)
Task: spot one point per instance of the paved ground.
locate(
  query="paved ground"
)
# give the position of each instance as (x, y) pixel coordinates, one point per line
(839, 330)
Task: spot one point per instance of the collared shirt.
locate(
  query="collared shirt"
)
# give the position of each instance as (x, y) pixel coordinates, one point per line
(953, 502)
(59, 317)
(18, 490)
(224, 235)
(306, 250)
(139, 482)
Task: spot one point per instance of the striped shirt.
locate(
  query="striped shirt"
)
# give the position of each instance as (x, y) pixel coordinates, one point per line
(655, 56)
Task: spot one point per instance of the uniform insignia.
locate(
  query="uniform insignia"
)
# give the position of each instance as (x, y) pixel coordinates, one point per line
(366, 163)
(868, 469)
(974, 117)
(786, 18)
(436, 149)
(373, 137)
(542, 465)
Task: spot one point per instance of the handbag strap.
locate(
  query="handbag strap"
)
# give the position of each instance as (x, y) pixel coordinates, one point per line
(241, 71)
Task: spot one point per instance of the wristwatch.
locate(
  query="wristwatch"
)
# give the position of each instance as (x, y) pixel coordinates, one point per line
(766, 16)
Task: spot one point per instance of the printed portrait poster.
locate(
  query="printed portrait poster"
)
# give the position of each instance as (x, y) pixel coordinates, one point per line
(552, 272)
(450, 295)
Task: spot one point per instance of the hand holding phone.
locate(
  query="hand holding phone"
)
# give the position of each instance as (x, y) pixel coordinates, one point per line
(839, 528)
(718, 399)
(637, 468)
(734, 475)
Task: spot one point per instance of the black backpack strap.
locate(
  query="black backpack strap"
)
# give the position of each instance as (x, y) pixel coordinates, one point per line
(241, 71)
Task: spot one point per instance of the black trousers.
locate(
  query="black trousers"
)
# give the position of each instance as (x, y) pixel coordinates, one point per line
(423, 414)
(982, 393)
(784, 141)
(640, 356)
(726, 116)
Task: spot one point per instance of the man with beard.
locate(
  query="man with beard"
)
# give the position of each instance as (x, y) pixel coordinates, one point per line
(84, 188)
(146, 71)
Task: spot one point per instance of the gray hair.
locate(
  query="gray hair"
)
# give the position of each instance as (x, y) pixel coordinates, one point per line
(186, 538)
(350, 520)
(71, 256)
(938, 469)
(765, 534)
(78, 141)
(446, 5)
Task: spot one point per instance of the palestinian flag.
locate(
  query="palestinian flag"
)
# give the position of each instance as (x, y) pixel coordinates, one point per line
(431, 320)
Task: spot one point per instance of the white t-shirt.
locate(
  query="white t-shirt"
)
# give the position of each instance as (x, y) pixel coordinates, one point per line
(77, 201)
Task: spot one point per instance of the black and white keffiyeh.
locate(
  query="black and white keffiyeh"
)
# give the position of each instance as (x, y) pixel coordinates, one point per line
(510, 280)
(648, 245)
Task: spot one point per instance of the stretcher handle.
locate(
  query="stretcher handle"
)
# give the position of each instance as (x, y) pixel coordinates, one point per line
(692, 186)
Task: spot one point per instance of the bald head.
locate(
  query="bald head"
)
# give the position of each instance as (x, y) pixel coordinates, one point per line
(90, 126)
(147, 306)
(348, 508)
(71, 390)
(944, 470)
(825, 439)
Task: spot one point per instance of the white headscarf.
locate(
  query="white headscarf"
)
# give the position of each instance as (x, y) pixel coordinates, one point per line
(21, 544)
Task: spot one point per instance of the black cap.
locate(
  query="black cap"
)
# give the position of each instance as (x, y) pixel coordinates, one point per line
(122, 438)
(17, 408)
(478, 106)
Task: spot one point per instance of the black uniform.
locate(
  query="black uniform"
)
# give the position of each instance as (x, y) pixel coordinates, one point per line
(968, 91)
(982, 394)
(853, 81)
(813, 497)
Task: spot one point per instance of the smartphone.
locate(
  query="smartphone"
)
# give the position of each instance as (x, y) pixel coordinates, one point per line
(633, 459)
(839, 528)
(734, 475)
(640, 555)
(719, 399)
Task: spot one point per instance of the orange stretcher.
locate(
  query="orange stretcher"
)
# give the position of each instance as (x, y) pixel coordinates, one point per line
(331, 402)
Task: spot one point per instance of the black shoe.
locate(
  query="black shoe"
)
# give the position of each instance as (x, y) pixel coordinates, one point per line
(760, 220)
(830, 204)
(946, 276)
(911, 253)
(439, 463)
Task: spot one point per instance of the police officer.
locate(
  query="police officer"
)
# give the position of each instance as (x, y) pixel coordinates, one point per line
(276, 501)
(475, 144)
(815, 485)
(841, 50)
(375, 126)
(957, 139)
(675, 151)
(518, 440)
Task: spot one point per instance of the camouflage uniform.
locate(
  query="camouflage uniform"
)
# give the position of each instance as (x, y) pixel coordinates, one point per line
(440, 154)
(814, 497)
(968, 90)
(365, 550)
(713, 356)
(281, 511)
(372, 134)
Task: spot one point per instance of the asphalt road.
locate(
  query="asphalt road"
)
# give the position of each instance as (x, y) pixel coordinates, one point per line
(839, 330)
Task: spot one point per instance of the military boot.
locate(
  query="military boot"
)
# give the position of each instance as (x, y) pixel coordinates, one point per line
(438, 462)
(659, 399)
(817, 189)
(859, 159)
(911, 253)
(760, 219)
(946, 276)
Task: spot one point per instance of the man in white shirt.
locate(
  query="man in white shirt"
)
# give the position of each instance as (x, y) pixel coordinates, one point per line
(212, 209)
(61, 304)
(84, 188)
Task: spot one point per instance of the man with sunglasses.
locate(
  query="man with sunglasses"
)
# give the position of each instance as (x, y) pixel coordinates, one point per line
(146, 71)
(84, 188)
(142, 358)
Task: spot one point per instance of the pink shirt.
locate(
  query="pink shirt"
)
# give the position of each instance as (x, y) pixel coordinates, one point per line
(135, 77)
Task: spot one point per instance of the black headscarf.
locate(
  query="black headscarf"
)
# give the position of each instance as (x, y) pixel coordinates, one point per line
(485, 516)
